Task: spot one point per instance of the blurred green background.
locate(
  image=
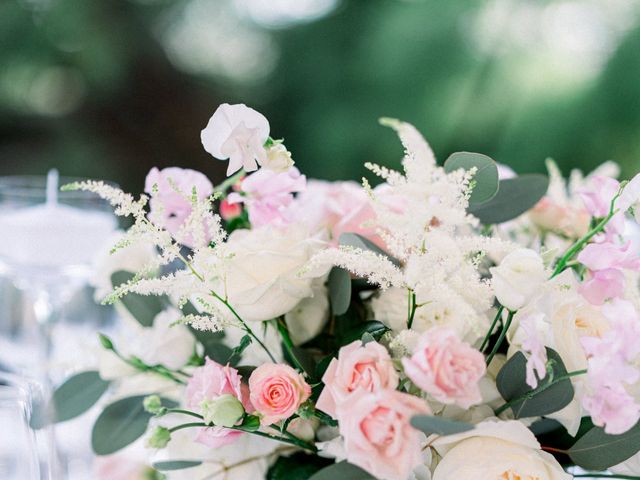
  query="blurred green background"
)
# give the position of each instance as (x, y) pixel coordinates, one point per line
(110, 88)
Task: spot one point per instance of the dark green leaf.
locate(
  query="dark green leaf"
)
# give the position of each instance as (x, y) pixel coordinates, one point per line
(342, 471)
(441, 426)
(251, 423)
(367, 338)
(322, 366)
(485, 178)
(236, 353)
(169, 465)
(511, 383)
(245, 371)
(71, 399)
(143, 308)
(358, 241)
(299, 466)
(120, 424)
(596, 450)
(339, 290)
(515, 197)
(373, 327)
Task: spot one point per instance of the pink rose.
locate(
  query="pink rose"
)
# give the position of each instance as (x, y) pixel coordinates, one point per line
(170, 207)
(446, 367)
(277, 391)
(378, 436)
(358, 368)
(207, 383)
(268, 194)
(229, 211)
(550, 215)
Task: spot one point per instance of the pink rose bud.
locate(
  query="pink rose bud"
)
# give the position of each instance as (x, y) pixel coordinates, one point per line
(229, 211)
(358, 367)
(277, 391)
(378, 435)
(208, 383)
(446, 367)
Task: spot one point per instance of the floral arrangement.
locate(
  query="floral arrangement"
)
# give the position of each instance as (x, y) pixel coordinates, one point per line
(454, 321)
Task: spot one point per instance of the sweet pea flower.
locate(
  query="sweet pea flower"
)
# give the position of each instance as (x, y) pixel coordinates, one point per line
(170, 190)
(208, 383)
(378, 436)
(267, 195)
(237, 133)
(447, 368)
(597, 198)
(277, 391)
(358, 368)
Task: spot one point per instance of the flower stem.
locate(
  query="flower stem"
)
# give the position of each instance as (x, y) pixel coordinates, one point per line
(503, 333)
(485, 342)
(288, 344)
(412, 307)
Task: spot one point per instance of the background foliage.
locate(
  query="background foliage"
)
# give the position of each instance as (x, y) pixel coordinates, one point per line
(110, 88)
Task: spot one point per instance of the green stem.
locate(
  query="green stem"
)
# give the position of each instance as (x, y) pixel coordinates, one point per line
(184, 412)
(245, 327)
(503, 333)
(412, 307)
(187, 425)
(143, 367)
(485, 342)
(288, 344)
(538, 390)
(229, 182)
(324, 418)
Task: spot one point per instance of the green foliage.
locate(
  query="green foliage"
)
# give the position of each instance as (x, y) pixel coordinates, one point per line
(596, 450)
(339, 290)
(515, 196)
(144, 308)
(372, 327)
(342, 471)
(71, 399)
(439, 425)
(120, 424)
(485, 178)
(171, 465)
(299, 466)
(543, 400)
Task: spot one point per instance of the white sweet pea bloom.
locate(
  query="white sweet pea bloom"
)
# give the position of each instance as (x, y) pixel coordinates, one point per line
(518, 277)
(278, 158)
(238, 133)
(495, 449)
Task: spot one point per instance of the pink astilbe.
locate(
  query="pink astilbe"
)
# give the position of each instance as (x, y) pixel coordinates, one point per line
(613, 370)
(268, 195)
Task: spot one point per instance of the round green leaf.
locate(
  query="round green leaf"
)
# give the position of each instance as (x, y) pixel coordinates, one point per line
(485, 178)
(342, 471)
(339, 290)
(438, 425)
(515, 197)
(169, 465)
(596, 450)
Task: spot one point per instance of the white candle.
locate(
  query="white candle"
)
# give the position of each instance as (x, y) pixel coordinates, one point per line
(52, 235)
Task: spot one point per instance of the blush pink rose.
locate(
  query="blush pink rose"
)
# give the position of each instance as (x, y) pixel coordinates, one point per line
(229, 211)
(378, 436)
(170, 205)
(277, 391)
(446, 367)
(207, 383)
(358, 368)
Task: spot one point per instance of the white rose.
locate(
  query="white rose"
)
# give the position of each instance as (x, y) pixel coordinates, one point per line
(495, 449)
(308, 318)
(164, 344)
(278, 158)
(262, 279)
(518, 277)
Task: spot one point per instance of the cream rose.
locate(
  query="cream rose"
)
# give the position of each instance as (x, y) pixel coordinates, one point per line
(518, 278)
(495, 449)
(262, 279)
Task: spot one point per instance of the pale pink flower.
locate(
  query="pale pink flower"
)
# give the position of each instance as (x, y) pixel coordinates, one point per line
(533, 345)
(602, 285)
(171, 189)
(613, 369)
(446, 367)
(358, 368)
(229, 211)
(550, 215)
(277, 391)
(599, 194)
(268, 194)
(378, 436)
(237, 133)
(207, 383)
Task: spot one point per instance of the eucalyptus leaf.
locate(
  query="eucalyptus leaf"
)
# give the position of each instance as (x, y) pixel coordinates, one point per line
(339, 290)
(358, 241)
(441, 426)
(299, 466)
(374, 328)
(170, 465)
(342, 471)
(515, 196)
(71, 399)
(512, 385)
(144, 308)
(120, 424)
(486, 176)
(596, 450)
